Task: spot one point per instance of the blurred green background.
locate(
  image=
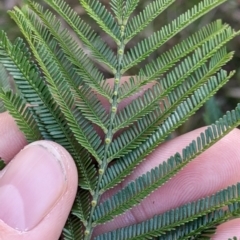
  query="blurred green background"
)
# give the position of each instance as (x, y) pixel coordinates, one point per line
(227, 97)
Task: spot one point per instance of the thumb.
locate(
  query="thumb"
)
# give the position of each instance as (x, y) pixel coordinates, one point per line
(37, 190)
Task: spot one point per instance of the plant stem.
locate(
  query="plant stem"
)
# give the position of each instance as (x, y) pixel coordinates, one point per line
(109, 135)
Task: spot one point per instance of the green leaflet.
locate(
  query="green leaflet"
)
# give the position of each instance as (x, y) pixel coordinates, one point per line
(73, 229)
(4, 83)
(159, 225)
(60, 95)
(91, 109)
(150, 12)
(130, 6)
(2, 164)
(82, 206)
(22, 114)
(104, 18)
(212, 111)
(118, 7)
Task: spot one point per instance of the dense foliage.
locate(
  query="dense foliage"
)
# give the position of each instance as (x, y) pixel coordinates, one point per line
(57, 98)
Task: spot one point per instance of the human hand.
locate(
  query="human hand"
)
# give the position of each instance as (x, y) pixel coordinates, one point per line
(37, 189)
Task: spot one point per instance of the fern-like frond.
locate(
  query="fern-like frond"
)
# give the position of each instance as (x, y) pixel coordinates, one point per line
(81, 128)
(85, 99)
(47, 113)
(100, 51)
(161, 224)
(140, 21)
(73, 229)
(156, 68)
(4, 78)
(4, 84)
(59, 98)
(128, 162)
(149, 45)
(104, 18)
(202, 228)
(129, 8)
(82, 64)
(22, 114)
(118, 7)
(82, 205)
(22, 71)
(59, 86)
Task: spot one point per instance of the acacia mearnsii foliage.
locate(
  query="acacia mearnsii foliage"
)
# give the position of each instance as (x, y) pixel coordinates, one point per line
(57, 97)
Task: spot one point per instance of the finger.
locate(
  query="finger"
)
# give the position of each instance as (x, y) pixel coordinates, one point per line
(12, 139)
(228, 230)
(213, 170)
(37, 190)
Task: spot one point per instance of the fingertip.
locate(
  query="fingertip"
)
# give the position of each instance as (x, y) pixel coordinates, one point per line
(48, 174)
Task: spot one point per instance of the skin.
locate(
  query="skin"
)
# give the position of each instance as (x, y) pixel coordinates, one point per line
(212, 171)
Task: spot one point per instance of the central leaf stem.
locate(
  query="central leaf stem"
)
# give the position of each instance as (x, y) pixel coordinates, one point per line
(109, 135)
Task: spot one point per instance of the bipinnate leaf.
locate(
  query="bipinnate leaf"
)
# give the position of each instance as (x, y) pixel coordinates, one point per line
(62, 96)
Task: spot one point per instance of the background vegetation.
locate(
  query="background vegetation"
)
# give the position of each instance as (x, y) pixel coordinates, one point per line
(226, 99)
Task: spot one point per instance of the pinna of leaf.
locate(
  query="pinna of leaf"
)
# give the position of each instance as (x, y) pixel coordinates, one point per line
(59, 81)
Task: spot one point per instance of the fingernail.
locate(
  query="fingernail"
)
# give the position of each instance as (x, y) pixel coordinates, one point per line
(31, 185)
